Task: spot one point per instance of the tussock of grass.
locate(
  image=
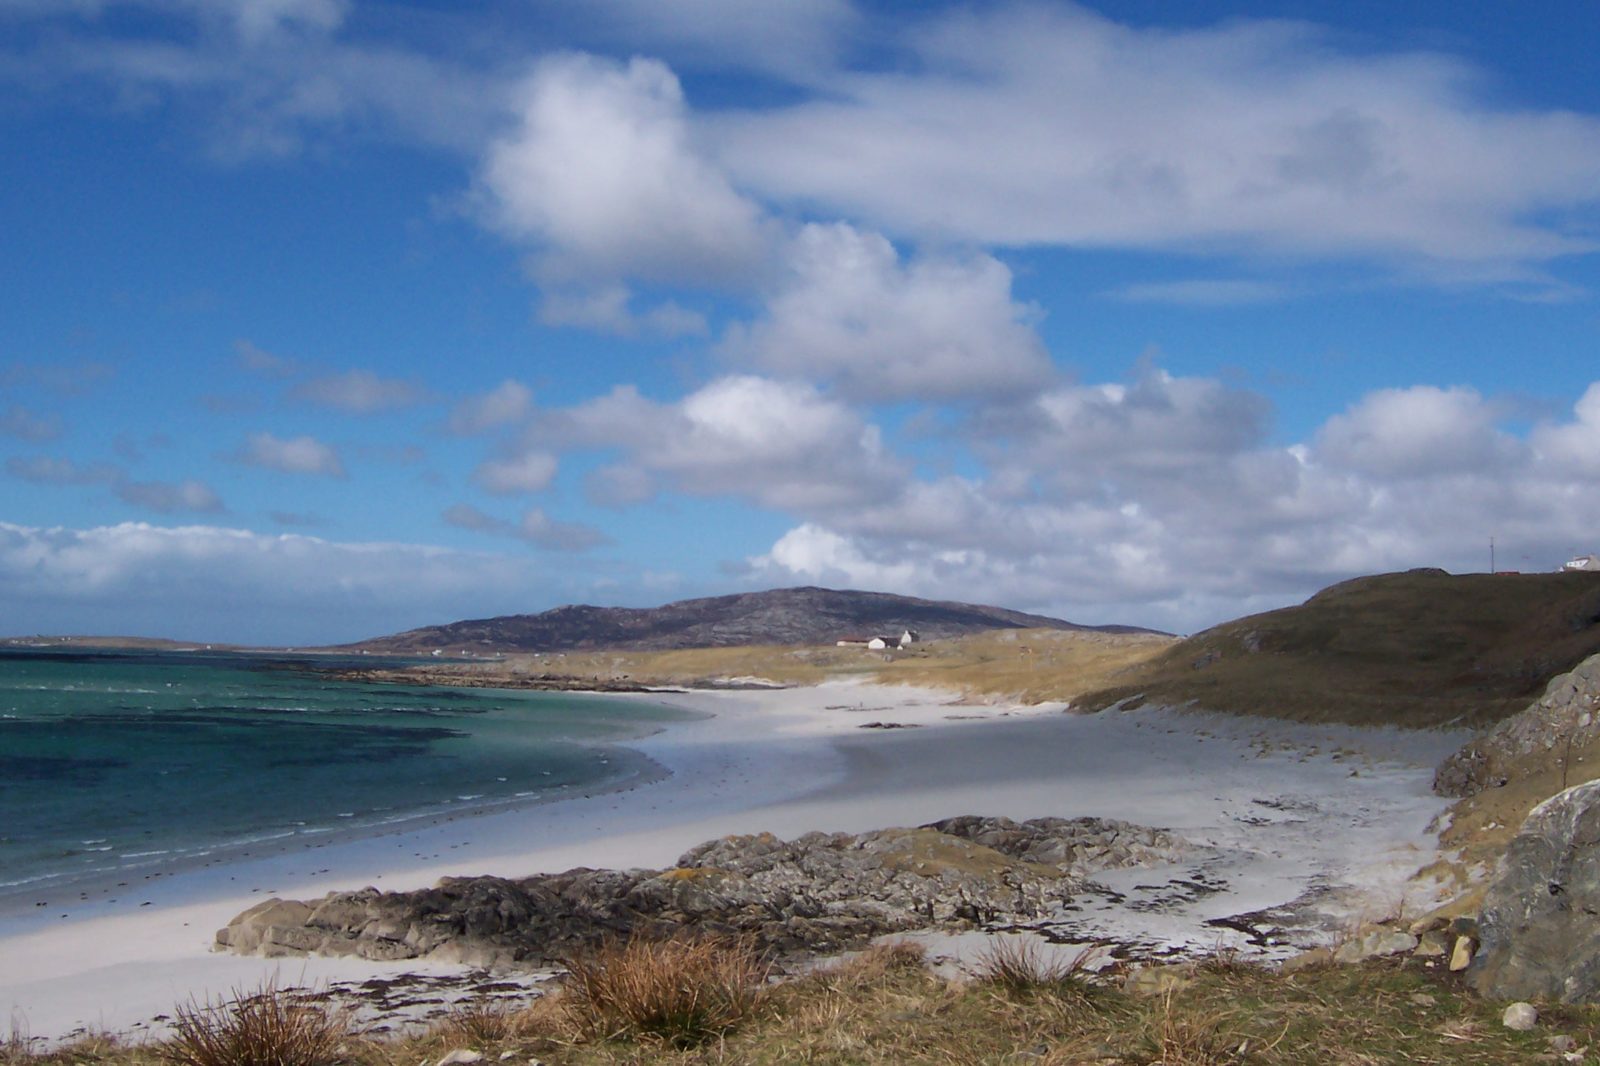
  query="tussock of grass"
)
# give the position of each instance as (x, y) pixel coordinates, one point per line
(1021, 967)
(480, 1023)
(681, 992)
(885, 960)
(268, 1027)
(1194, 1038)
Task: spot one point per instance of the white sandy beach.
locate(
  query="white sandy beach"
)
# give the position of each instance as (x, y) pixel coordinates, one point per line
(1318, 826)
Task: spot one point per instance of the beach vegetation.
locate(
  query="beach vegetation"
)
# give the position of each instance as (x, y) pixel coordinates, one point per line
(481, 1022)
(267, 1027)
(886, 1007)
(1022, 966)
(678, 991)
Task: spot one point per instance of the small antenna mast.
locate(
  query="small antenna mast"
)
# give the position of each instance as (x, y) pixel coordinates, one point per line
(1491, 553)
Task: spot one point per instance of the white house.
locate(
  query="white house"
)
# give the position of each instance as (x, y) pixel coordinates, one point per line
(879, 643)
(1583, 562)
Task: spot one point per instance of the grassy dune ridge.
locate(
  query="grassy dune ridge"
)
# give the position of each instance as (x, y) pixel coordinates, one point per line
(1417, 649)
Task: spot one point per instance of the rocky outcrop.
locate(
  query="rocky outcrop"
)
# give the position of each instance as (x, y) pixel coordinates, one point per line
(1540, 925)
(820, 892)
(1568, 714)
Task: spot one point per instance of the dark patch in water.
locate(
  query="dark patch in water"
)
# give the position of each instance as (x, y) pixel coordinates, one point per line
(55, 769)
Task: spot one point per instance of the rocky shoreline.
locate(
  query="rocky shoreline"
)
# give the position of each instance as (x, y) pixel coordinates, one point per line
(817, 894)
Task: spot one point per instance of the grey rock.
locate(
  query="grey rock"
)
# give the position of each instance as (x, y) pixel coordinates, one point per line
(1569, 710)
(1160, 980)
(1539, 925)
(461, 1057)
(1434, 944)
(1520, 1016)
(1373, 944)
(819, 892)
(247, 933)
(1311, 959)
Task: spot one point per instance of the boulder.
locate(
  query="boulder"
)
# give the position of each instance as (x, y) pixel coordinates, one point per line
(1568, 712)
(259, 925)
(1540, 925)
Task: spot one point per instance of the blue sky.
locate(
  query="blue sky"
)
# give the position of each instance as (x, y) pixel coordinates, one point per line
(324, 318)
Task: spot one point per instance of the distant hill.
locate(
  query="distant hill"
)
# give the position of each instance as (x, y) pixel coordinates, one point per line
(780, 616)
(1421, 648)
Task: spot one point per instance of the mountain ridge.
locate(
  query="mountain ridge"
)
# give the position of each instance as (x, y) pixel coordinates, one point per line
(800, 615)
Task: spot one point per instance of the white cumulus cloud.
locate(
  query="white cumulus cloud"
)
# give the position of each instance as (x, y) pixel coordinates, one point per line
(528, 472)
(780, 443)
(939, 327)
(292, 455)
(1161, 502)
(603, 176)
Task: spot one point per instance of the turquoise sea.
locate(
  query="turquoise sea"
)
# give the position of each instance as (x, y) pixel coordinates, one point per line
(115, 761)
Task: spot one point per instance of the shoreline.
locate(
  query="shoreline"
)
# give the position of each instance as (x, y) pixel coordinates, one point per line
(81, 893)
(1274, 804)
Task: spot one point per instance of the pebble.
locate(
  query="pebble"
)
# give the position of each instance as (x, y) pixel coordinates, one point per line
(1461, 956)
(1520, 1017)
(461, 1057)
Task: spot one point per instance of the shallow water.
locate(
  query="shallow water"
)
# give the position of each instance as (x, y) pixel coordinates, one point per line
(121, 761)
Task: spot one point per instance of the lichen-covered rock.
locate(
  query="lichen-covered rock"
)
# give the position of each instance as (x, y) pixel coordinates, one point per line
(1568, 712)
(1540, 925)
(819, 892)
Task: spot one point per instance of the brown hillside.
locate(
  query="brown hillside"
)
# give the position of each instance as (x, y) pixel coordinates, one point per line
(1417, 649)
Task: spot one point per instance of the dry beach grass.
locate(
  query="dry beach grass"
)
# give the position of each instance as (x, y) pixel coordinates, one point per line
(886, 1006)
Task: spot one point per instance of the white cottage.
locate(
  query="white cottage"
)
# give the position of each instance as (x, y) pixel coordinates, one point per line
(1583, 562)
